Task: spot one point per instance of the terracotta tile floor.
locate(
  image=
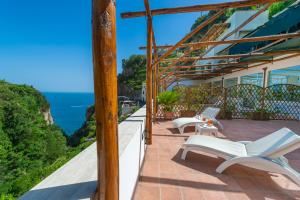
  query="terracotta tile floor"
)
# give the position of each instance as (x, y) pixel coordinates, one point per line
(165, 176)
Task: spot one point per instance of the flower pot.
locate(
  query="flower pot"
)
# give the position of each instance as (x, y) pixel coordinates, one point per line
(169, 115)
(260, 116)
(228, 115)
(187, 113)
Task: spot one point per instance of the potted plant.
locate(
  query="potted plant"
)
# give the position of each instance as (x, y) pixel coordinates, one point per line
(167, 100)
(260, 114)
(227, 112)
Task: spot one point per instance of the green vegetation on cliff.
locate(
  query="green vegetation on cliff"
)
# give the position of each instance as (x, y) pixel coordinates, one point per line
(279, 6)
(84, 136)
(30, 147)
(132, 76)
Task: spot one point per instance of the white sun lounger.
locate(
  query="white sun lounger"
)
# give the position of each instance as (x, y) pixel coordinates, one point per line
(265, 154)
(209, 113)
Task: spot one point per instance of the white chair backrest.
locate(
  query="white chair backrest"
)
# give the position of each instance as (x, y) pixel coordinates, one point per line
(210, 112)
(274, 145)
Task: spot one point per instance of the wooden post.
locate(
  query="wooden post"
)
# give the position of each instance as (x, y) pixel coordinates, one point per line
(157, 86)
(225, 101)
(265, 77)
(106, 106)
(222, 82)
(264, 88)
(154, 87)
(149, 83)
(165, 85)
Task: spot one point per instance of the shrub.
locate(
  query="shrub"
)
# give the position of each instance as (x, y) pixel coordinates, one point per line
(279, 6)
(168, 99)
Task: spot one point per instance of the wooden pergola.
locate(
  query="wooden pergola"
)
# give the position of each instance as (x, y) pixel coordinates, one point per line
(161, 76)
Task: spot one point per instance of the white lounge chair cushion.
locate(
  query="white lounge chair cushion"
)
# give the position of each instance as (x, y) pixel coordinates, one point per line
(209, 112)
(184, 121)
(231, 149)
(274, 145)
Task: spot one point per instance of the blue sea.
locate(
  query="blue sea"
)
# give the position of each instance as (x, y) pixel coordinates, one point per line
(68, 109)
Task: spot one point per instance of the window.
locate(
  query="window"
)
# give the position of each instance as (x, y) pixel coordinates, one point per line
(290, 75)
(254, 79)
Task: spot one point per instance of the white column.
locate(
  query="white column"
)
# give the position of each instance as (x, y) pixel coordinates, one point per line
(239, 80)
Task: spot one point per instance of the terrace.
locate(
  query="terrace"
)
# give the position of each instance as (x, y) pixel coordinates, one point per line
(140, 158)
(166, 176)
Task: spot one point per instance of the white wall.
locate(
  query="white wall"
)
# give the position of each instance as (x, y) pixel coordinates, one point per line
(132, 150)
(77, 179)
(291, 62)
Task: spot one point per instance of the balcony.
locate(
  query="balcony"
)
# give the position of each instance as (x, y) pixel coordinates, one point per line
(157, 172)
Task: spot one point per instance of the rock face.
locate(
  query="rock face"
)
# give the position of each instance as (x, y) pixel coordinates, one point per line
(48, 117)
(87, 133)
(132, 77)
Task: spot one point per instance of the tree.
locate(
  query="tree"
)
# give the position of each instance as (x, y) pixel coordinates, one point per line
(132, 77)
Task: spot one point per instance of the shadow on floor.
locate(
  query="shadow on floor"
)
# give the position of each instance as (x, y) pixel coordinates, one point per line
(189, 129)
(167, 135)
(248, 180)
(65, 192)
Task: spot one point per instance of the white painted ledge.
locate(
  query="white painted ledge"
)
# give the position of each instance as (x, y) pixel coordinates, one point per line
(77, 179)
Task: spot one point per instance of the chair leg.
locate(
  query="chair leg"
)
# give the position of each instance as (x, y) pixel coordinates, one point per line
(292, 174)
(283, 167)
(181, 129)
(220, 126)
(184, 153)
(224, 165)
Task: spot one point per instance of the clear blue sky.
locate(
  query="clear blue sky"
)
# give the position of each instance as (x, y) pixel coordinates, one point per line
(47, 43)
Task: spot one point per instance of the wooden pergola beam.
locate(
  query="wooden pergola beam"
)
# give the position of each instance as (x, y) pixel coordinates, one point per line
(202, 74)
(191, 49)
(157, 47)
(149, 75)
(222, 64)
(228, 65)
(219, 57)
(251, 18)
(196, 45)
(170, 82)
(155, 79)
(224, 73)
(106, 106)
(189, 35)
(196, 72)
(225, 37)
(275, 60)
(197, 8)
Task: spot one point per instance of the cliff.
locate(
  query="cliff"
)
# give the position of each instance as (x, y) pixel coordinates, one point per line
(132, 77)
(48, 117)
(87, 133)
(31, 147)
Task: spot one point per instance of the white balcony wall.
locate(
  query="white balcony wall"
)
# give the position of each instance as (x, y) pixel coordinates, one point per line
(77, 179)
